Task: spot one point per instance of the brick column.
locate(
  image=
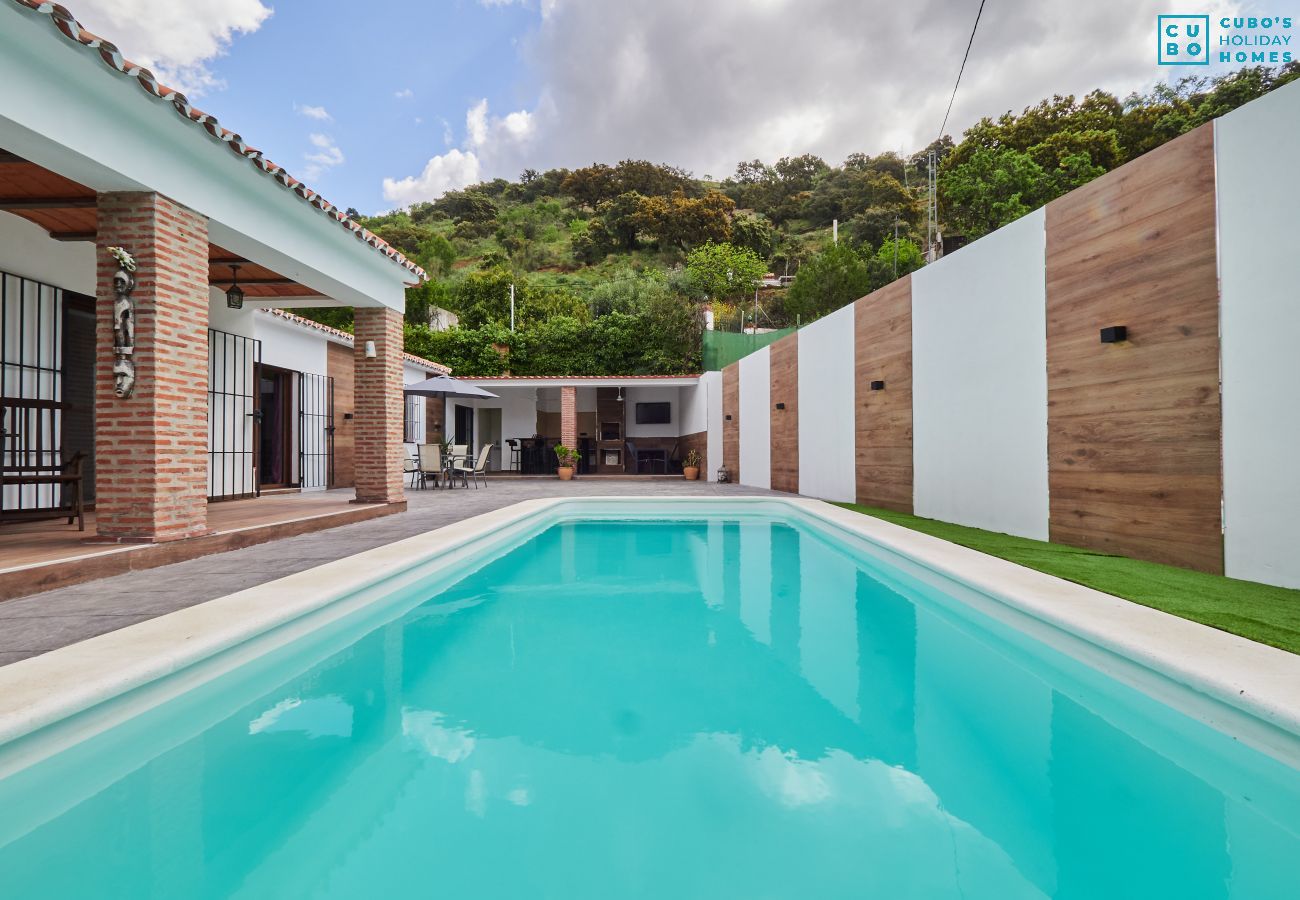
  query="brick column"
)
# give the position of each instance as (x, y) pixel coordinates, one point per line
(569, 417)
(379, 406)
(151, 449)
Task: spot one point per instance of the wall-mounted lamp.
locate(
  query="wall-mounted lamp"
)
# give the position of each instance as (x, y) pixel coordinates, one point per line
(728, 418)
(370, 350)
(1114, 334)
(877, 385)
(780, 406)
(234, 293)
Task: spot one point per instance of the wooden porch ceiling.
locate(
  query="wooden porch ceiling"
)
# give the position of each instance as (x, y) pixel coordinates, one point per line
(67, 211)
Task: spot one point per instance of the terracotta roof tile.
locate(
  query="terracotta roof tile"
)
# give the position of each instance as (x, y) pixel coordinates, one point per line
(70, 28)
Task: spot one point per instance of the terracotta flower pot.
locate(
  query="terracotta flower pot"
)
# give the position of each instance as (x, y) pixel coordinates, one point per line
(566, 473)
(692, 473)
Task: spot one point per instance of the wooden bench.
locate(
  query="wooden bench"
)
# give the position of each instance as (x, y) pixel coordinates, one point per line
(27, 460)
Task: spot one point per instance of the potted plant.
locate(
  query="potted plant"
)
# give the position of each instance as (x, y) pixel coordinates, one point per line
(691, 465)
(568, 462)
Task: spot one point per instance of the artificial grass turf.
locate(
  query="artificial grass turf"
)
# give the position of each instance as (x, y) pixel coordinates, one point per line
(1270, 615)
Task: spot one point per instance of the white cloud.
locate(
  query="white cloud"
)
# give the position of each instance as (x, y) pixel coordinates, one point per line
(326, 156)
(175, 40)
(489, 142)
(404, 94)
(476, 127)
(706, 85)
(314, 112)
(449, 171)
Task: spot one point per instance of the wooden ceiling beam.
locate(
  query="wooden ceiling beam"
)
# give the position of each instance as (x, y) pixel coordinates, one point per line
(15, 204)
(73, 235)
(7, 157)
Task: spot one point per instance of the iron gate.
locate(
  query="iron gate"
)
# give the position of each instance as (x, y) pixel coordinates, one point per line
(31, 388)
(315, 430)
(233, 415)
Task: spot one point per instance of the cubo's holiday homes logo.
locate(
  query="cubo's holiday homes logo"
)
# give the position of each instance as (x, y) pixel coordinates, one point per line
(1237, 40)
(1183, 40)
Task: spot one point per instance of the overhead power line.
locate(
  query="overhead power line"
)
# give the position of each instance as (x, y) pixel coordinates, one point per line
(974, 28)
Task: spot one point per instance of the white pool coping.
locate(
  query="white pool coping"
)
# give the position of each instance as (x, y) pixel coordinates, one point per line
(1254, 688)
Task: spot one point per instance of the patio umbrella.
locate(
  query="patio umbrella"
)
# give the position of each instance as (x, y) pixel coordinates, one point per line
(445, 386)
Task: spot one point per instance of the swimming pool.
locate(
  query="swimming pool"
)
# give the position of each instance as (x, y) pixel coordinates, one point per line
(615, 699)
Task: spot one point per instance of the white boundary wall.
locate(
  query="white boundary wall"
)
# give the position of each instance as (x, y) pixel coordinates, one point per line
(694, 408)
(711, 388)
(756, 419)
(827, 424)
(1259, 283)
(979, 381)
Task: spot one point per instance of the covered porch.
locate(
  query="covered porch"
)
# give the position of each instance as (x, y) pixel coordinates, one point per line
(145, 368)
(633, 425)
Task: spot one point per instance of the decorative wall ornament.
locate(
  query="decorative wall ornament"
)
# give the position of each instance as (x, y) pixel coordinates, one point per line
(123, 323)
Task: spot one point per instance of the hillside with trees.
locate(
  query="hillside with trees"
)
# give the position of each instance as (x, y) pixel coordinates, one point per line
(613, 266)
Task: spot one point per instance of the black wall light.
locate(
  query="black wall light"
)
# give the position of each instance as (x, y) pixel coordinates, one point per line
(728, 418)
(877, 385)
(1114, 334)
(780, 406)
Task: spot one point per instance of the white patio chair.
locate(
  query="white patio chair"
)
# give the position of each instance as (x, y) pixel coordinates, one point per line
(479, 468)
(430, 463)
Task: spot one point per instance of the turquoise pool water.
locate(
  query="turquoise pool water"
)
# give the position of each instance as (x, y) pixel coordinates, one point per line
(716, 708)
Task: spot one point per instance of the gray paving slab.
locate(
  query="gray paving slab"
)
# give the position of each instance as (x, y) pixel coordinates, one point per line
(43, 622)
(41, 633)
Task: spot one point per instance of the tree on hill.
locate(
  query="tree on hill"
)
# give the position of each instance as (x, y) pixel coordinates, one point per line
(683, 222)
(722, 271)
(754, 232)
(831, 279)
(483, 298)
(892, 261)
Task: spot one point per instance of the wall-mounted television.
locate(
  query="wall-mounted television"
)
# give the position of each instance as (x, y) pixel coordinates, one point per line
(654, 413)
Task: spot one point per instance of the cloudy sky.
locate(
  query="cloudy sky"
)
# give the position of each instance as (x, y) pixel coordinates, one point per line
(378, 105)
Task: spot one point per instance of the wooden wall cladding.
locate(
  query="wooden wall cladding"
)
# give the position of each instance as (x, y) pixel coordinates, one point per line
(882, 343)
(783, 376)
(1134, 428)
(731, 420)
(699, 442)
(340, 365)
(435, 409)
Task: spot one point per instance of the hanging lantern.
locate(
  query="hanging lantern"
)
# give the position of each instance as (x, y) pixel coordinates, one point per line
(234, 293)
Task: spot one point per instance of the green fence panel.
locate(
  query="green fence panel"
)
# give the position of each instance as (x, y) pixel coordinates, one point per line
(722, 348)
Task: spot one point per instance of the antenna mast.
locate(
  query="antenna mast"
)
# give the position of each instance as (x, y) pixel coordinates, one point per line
(933, 240)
